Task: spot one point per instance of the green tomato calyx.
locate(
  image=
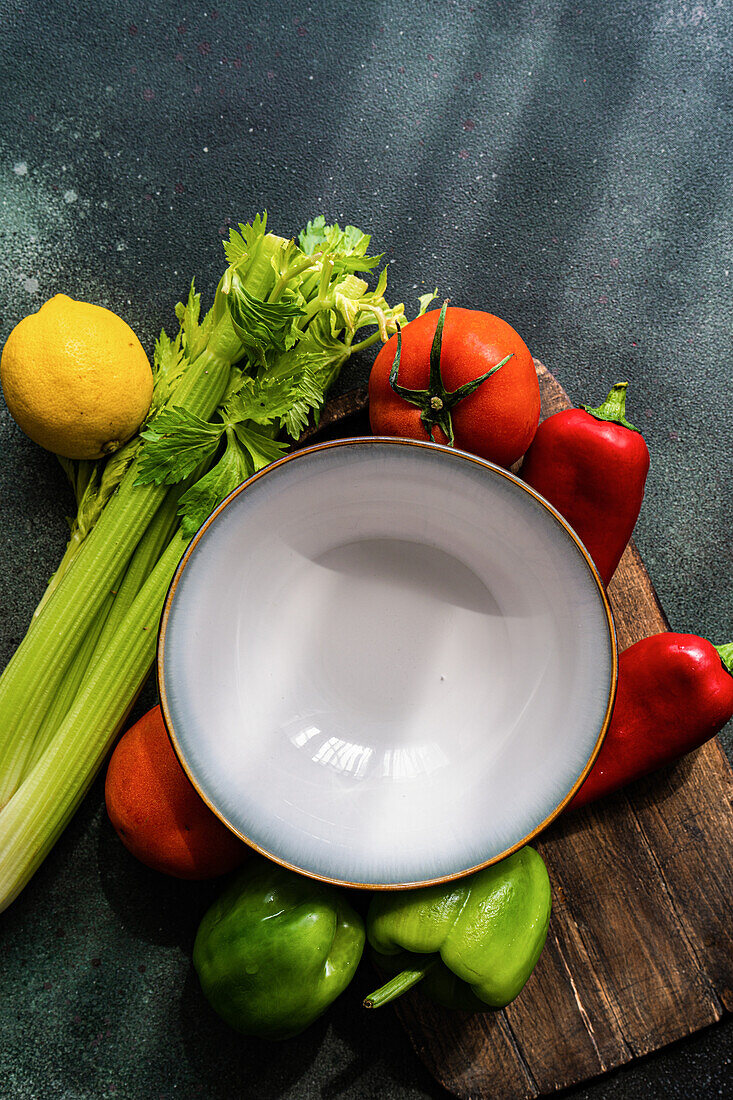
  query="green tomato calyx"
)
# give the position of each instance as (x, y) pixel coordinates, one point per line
(436, 401)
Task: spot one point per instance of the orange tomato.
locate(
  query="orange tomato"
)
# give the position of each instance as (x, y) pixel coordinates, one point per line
(497, 420)
(156, 811)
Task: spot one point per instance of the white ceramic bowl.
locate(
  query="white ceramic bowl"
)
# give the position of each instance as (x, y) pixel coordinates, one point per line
(386, 663)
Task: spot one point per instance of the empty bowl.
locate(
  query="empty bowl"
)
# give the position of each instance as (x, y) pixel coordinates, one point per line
(386, 663)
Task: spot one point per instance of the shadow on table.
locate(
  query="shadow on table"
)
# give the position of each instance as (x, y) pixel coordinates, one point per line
(221, 1060)
(150, 906)
(166, 911)
(650, 789)
(375, 1039)
(375, 1043)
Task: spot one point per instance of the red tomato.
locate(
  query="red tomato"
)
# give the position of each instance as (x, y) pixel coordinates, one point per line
(497, 421)
(156, 812)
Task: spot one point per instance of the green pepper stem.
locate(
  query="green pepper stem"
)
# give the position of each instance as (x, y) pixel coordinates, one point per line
(726, 656)
(613, 408)
(398, 985)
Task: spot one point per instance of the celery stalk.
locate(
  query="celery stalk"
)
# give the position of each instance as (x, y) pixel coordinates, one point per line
(72, 548)
(46, 651)
(39, 810)
(70, 685)
(93, 485)
(292, 312)
(142, 563)
(109, 618)
(38, 666)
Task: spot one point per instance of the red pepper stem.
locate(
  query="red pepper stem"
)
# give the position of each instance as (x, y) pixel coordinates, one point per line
(726, 655)
(613, 408)
(398, 985)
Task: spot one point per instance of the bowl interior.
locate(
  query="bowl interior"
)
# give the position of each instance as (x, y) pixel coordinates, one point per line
(386, 663)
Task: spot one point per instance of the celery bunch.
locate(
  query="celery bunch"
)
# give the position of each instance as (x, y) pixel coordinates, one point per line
(286, 316)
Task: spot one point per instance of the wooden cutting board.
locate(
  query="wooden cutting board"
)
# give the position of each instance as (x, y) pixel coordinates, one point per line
(640, 946)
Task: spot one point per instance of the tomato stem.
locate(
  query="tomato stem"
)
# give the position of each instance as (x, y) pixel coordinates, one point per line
(436, 401)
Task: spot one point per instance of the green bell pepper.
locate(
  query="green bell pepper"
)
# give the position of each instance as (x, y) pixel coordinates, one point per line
(473, 944)
(275, 950)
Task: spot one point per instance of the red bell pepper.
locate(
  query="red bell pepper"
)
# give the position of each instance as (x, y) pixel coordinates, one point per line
(675, 691)
(591, 465)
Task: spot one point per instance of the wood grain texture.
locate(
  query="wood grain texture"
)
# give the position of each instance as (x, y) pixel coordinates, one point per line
(640, 947)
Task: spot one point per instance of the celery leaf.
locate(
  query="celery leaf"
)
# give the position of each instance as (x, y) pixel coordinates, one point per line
(260, 447)
(176, 443)
(346, 248)
(168, 365)
(313, 236)
(260, 325)
(242, 243)
(198, 502)
(167, 354)
(424, 301)
(262, 400)
(194, 333)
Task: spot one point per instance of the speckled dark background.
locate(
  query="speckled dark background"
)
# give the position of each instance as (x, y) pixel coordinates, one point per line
(561, 164)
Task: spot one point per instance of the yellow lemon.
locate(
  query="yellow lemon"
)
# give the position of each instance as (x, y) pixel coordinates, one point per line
(76, 378)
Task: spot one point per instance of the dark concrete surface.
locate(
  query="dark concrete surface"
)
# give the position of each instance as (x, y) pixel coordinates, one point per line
(564, 165)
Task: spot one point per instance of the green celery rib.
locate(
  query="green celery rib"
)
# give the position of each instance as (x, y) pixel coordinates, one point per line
(40, 809)
(45, 653)
(72, 549)
(92, 492)
(70, 684)
(35, 671)
(111, 615)
(142, 563)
